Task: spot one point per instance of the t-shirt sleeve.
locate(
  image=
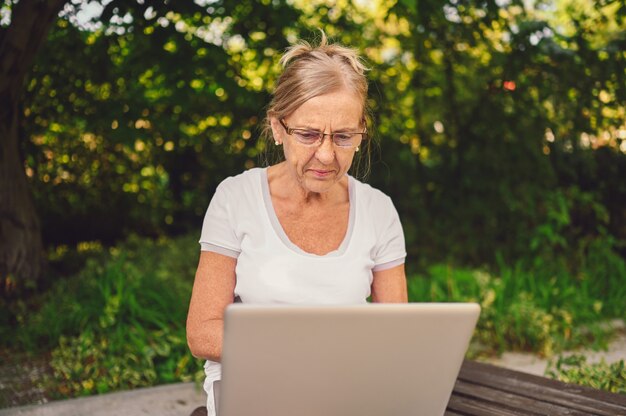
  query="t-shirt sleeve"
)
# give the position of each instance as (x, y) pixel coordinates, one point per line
(218, 233)
(390, 250)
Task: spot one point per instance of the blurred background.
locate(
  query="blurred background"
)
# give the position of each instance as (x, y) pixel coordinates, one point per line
(499, 132)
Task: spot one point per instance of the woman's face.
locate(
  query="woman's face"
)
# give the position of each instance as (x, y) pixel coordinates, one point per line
(318, 168)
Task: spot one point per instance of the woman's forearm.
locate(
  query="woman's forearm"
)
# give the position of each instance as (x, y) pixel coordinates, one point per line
(205, 339)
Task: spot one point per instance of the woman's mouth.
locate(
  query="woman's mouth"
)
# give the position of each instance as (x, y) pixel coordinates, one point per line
(321, 173)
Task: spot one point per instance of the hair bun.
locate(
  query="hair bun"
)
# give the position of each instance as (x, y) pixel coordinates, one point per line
(303, 50)
(295, 51)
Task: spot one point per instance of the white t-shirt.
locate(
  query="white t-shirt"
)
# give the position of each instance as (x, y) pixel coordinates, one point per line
(241, 222)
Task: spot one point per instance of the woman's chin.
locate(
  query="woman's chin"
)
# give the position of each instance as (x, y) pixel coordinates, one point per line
(318, 183)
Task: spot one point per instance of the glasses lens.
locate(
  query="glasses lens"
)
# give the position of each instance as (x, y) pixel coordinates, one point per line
(312, 138)
(345, 139)
(306, 137)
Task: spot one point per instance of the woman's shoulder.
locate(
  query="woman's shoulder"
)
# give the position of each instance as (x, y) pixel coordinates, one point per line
(243, 181)
(377, 207)
(367, 194)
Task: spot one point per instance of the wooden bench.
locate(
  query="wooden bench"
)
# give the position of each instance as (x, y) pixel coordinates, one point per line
(487, 390)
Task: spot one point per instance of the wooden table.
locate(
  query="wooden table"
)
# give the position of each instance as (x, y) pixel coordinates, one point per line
(485, 390)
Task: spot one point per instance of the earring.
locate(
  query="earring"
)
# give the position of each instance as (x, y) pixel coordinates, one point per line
(276, 143)
(357, 148)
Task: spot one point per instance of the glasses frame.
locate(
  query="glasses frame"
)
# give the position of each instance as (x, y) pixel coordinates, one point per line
(321, 135)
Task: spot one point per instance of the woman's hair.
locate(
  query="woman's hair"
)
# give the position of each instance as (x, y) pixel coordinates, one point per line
(310, 71)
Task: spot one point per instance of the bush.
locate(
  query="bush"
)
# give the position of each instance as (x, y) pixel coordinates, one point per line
(98, 362)
(119, 323)
(575, 369)
(526, 310)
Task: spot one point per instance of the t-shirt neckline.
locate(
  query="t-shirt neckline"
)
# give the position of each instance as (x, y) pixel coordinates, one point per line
(280, 232)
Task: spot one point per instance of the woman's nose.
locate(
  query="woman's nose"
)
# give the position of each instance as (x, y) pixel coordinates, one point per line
(326, 151)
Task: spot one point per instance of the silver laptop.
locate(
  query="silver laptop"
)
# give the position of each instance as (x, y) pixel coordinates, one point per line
(360, 360)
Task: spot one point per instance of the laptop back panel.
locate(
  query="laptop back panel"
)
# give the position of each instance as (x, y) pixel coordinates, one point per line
(374, 359)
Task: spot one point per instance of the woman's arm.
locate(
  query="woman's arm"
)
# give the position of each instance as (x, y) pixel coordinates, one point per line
(389, 286)
(213, 290)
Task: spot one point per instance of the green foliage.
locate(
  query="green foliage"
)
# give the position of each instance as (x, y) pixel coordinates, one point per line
(575, 369)
(117, 324)
(527, 310)
(604, 272)
(151, 117)
(126, 359)
(500, 126)
(496, 111)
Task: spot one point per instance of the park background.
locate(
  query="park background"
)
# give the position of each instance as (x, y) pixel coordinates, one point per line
(499, 132)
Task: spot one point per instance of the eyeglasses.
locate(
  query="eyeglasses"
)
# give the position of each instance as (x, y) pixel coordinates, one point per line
(311, 138)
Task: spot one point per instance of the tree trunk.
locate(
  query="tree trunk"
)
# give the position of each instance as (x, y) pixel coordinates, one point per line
(21, 249)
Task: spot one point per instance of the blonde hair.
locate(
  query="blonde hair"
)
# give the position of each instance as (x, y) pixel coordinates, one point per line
(310, 71)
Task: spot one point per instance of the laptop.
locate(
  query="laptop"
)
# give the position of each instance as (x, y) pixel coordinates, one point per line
(357, 360)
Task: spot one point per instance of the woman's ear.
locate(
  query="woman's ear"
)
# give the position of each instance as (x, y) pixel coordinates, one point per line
(277, 130)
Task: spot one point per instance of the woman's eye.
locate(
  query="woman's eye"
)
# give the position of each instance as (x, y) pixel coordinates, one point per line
(343, 139)
(342, 136)
(308, 135)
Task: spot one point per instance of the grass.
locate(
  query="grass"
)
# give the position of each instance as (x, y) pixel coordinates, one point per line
(118, 321)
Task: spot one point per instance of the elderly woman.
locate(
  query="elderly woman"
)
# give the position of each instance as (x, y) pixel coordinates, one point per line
(302, 231)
